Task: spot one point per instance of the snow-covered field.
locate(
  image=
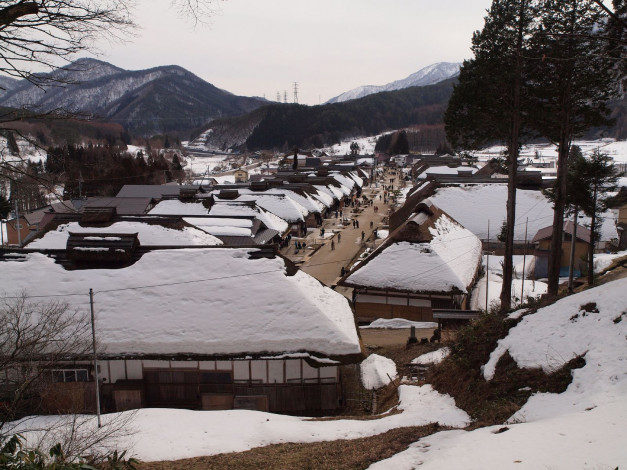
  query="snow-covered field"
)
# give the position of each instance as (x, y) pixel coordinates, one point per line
(366, 146)
(166, 434)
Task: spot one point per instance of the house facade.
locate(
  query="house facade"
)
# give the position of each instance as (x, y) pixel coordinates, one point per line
(174, 331)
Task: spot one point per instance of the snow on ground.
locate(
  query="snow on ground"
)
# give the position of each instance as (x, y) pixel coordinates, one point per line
(548, 152)
(582, 428)
(433, 357)
(377, 371)
(204, 165)
(149, 235)
(564, 330)
(474, 205)
(532, 290)
(603, 260)
(398, 324)
(366, 146)
(382, 233)
(167, 434)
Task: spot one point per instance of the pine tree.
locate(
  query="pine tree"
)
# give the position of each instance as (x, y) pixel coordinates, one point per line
(576, 80)
(490, 102)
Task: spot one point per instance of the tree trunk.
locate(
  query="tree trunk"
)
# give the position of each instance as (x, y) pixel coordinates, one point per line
(593, 239)
(508, 264)
(565, 134)
(555, 255)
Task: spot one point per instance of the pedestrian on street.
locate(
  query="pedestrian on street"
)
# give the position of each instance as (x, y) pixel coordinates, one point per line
(343, 271)
(363, 234)
(356, 223)
(371, 224)
(339, 237)
(332, 245)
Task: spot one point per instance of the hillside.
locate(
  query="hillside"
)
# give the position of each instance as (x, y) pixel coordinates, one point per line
(157, 100)
(288, 125)
(430, 75)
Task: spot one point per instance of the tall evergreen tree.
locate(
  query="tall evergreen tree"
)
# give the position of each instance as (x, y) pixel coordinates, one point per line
(575, 81)
(490, 102)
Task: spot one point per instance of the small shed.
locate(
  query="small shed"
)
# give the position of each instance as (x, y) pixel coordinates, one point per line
(542, 241)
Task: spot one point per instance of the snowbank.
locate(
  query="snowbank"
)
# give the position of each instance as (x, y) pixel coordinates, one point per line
(167, 434)
(433, 357)
(398, 324)
(580, 428)
(377, 371)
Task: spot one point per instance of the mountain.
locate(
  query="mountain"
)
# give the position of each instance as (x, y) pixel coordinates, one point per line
(283, 126)
(157, 100)
(427, 76)
(7, 84)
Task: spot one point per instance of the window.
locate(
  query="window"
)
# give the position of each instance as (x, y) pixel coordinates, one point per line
(70, 375)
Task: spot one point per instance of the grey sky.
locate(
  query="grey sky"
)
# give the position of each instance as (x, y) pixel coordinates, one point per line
(255, 47)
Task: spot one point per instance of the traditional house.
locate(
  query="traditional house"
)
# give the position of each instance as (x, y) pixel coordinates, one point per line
(240, 176)
(429, 262)
(542, 242)
(207, 328)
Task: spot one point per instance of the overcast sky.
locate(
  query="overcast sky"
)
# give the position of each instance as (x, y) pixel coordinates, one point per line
(256, 48)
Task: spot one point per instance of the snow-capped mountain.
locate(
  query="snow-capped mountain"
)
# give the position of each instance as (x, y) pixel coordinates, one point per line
(427, 76)
(145, 101)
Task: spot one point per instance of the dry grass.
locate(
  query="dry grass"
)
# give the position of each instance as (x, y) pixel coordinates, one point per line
(334, 455)
(493, 402)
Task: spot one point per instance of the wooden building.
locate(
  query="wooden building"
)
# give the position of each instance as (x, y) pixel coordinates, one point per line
(429, 262)
(176, 331)
(542, 242)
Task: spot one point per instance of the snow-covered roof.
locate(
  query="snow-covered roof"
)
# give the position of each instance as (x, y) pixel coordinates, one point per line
(211, 301)
(148, 235)
(447, 263)
(474, 206)
(231, 209)
(177, 207)
(278, 204)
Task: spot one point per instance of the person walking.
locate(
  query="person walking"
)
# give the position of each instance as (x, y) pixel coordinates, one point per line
(363, 234)
(371, 224)
(339, 237)
(332, 245)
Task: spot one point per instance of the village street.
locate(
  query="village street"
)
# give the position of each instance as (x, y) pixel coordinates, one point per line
(326, 263)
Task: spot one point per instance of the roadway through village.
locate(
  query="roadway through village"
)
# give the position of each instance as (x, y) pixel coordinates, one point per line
(325, 256)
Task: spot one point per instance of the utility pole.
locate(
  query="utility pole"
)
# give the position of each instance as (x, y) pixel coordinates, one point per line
(93, 345)
(522, 289)
(18, 226)
(573, 242)
(487, 270)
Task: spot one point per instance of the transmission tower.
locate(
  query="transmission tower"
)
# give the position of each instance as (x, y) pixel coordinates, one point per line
(295, 92)
(278, 96)
(285, 96)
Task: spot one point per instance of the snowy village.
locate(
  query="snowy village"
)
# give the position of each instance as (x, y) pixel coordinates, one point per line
(426, 274)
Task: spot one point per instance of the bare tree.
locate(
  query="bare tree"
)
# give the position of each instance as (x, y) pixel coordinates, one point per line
(35, 337)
